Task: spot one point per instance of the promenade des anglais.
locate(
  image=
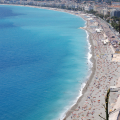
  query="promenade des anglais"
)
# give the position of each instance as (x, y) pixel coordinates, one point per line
(59, 60)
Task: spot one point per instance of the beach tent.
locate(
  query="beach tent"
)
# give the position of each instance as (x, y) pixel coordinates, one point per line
(107, 40)
(104, 43)
(98, 30)
(89, 18)
(105, 36)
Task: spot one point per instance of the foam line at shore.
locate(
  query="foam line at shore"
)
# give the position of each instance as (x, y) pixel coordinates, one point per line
(63, 115)
(90, 65)
(89, 53)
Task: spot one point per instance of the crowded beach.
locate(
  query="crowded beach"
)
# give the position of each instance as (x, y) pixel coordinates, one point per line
(105, 73)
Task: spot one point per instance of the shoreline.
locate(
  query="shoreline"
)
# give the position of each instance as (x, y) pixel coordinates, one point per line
(105, 73)
(92, 69)
(90, 44)
(102, 72)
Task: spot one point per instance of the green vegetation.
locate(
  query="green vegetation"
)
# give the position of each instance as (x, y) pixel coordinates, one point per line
(92, 12)
(115, 22)
(95, 13)
(100, 15)
(115, 18)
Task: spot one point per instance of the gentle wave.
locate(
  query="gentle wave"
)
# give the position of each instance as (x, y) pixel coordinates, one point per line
(90, 65)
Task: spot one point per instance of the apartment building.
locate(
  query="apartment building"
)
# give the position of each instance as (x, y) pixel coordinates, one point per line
(115, 12)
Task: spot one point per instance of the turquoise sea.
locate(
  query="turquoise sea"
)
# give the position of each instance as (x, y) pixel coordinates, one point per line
(43, 62)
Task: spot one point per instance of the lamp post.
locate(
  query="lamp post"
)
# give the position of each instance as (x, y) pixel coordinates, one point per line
(119, 25)
(106, 101)
(111, 89)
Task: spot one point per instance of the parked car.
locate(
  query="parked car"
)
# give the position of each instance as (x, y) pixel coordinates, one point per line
(113, 37)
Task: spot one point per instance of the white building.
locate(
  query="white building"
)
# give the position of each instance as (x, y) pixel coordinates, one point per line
(88, 7)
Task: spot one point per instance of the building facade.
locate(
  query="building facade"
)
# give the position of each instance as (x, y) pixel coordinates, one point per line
(115, 13)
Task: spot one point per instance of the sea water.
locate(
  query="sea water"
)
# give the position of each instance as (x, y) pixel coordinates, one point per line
(43, 62)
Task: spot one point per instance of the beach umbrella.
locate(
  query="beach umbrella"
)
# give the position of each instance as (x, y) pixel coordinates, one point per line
(74, 114)
(110, 110)
(90, 108)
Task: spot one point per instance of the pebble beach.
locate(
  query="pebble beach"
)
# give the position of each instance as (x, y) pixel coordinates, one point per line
(105, 73)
